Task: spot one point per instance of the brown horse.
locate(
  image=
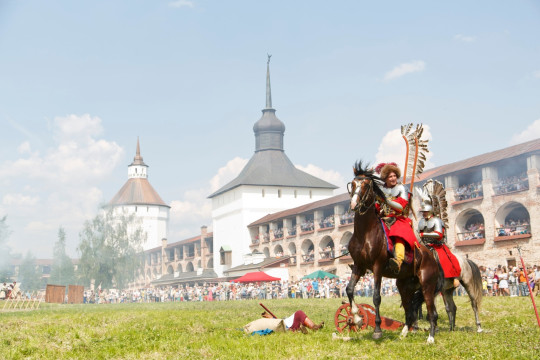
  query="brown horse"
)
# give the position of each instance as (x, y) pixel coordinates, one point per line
(368, 248)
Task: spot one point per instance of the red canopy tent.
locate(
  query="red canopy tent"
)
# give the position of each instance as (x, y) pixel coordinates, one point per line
(256, 277)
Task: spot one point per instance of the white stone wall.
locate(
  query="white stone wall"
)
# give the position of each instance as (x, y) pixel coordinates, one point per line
(234, 210)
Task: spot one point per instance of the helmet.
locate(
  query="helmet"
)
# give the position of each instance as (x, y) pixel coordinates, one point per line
(426, 207)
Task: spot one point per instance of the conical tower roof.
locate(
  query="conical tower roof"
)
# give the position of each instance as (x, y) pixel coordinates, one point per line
(269, 166)
(137, 190)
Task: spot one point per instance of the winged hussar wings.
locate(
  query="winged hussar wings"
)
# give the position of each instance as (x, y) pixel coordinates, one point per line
(437, 193)
(417, 148)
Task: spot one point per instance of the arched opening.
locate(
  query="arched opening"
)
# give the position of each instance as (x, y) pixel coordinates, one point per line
(292, 253)
(266, 252)
(155, 274)
(344, 243)
(210, 264)
(470, 225)
(278, 251)
(512, 219)
(326, 248)
(189, 267)
(308, 253)
(179, 268)
(170, 270)
(199, 264)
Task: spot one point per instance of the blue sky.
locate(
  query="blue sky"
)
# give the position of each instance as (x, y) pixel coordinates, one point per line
(79, 81)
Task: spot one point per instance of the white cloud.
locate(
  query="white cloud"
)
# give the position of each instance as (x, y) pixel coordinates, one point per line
(58, 186)
(404, 69)
(332, 176)
(227, 173)
(392, 148)
(181, 3)
(536, 74)
(530, 133)
(19, 200)
(194, 209)
(24, 148)
(464, 38)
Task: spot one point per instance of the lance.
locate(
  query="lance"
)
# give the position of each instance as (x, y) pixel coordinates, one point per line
(268, 311)
(528, 284)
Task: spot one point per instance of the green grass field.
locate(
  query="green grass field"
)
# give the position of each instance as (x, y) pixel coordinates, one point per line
(211, 331)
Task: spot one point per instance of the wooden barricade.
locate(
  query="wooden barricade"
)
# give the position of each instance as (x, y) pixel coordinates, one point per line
(75, 294)
(55, 294)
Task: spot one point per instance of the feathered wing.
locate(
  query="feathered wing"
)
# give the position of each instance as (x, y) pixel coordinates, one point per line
(437, 194)
(416, 151)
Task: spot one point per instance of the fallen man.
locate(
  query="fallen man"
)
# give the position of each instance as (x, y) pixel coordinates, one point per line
(297, 321)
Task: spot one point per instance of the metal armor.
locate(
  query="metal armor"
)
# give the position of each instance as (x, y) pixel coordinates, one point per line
(432, 229)
(398, 191)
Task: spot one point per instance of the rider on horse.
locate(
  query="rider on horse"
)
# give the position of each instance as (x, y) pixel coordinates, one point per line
(432, 233)
(395, 213)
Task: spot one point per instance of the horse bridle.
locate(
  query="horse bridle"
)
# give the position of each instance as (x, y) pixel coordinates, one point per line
(361, 208)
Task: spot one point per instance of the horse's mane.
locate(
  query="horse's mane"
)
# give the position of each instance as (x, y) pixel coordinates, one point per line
(364, 170)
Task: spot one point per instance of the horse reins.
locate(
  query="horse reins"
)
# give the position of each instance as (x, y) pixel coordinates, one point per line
(362, 200)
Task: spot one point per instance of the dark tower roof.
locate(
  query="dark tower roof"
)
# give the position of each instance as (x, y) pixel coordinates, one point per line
(269, 166)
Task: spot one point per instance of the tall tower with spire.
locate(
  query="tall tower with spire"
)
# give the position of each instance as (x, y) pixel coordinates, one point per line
(138, 197)
(268, 183)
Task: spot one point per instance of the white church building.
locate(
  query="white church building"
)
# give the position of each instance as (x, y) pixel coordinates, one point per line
(138, 197)
(268, 183)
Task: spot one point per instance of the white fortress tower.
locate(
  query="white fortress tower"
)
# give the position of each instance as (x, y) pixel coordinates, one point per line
(268, 183)
(138, 197)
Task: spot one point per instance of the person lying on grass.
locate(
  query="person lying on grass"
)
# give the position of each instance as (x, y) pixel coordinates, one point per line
(298, 321)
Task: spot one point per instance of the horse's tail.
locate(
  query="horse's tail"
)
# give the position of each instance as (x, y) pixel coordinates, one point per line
(475, 286)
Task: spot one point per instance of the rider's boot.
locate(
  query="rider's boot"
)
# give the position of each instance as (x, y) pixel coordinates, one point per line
(311, 325)
(395, 262)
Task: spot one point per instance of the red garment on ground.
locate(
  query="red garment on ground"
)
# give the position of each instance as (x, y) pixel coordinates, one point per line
(299, 318)
(449, 262)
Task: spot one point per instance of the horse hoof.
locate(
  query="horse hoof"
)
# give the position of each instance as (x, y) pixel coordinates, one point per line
(377, 335)
(430, 340)
(480, 330)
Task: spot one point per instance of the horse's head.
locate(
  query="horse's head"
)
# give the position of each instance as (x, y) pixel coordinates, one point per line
(364, 188)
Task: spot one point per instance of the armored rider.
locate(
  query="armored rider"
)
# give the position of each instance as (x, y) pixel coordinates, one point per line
(430, 227)
(395, 213)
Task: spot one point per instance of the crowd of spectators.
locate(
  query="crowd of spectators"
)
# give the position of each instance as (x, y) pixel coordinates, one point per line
(498, 281)
(228, 291)
(469, 191)
(9, 291)
(511, 184)
(307, 226)
(513, 227)
(347, 218)
(327, 222)
(474, 231)
(327, 252)
(501, 281)
(278, 233)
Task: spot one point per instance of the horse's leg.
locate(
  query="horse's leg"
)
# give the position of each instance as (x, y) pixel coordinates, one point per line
(450, 305)
(377, 334)
(471, 279)
(406, 291)
(355, 276)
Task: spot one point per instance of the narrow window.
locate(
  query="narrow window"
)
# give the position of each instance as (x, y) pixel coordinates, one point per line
(295, 193)
(310, 194)
(262, 192)
(279, 193)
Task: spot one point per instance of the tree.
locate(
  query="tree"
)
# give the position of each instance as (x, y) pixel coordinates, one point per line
(109, 247)
(29, 274)
(62, 271)
(5, 252)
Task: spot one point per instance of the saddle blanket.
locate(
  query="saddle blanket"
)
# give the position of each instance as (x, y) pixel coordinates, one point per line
(448, 261)
(390, 246)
